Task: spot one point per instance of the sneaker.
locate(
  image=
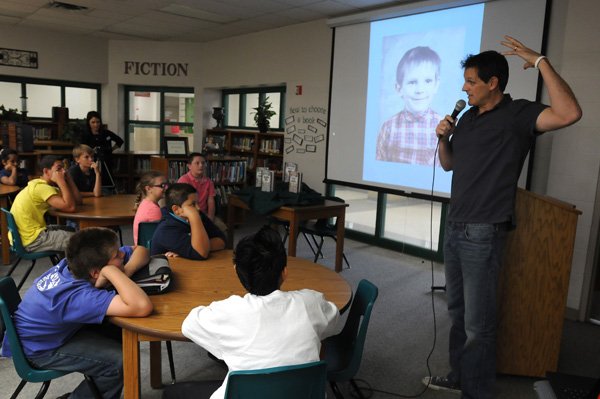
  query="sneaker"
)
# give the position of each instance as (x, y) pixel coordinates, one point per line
(441, 384)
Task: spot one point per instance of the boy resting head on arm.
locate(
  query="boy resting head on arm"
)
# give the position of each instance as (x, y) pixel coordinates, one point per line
(54, 320)
(184, 231)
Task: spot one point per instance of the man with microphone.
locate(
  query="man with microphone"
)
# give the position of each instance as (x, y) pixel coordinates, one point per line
(486, 151)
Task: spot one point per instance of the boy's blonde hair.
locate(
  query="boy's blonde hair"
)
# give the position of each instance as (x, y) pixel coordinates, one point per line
(80, 149)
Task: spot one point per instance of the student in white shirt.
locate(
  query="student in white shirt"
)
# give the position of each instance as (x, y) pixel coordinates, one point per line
(266, 327)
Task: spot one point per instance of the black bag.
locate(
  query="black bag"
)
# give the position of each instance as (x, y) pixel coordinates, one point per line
(155, 277)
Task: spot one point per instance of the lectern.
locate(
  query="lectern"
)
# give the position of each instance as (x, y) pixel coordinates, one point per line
(533, 285)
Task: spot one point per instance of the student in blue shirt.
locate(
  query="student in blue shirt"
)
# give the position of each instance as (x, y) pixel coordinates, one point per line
(184, 231)
(55, 316)
(11, 174)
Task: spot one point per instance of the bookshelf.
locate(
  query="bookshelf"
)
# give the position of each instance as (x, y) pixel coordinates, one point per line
(228, 173)
(259, 149)
(127, 167)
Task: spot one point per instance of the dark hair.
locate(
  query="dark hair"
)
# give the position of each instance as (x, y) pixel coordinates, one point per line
(194, 155)
(177, 194)
(47, 162)
(259, 261)
(88, 118)
(145, 180)
(488, 64)
(417, 55)
(6, 152)
(90, 249)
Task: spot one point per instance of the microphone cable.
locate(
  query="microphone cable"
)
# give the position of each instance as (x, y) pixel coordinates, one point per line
(366, 388)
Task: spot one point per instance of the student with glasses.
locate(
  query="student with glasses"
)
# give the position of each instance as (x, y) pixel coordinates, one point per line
(150, 189)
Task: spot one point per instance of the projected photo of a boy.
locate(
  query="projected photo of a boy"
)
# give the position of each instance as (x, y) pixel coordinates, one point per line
(409, 136)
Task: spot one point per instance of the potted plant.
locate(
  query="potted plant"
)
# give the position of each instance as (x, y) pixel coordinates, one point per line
(9, 115)
(262, 115)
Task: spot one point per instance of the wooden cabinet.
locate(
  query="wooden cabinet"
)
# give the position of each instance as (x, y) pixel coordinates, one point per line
(259, 149)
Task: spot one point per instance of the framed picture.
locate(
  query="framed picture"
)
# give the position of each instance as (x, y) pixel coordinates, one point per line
(176, 146)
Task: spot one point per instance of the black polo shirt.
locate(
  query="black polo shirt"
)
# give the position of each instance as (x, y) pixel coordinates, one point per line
(488, 152)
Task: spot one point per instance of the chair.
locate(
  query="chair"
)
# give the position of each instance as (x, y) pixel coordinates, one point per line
(343, 352)
(145, 234)
(303, 381)
(9, 301)
(320, 228)
(19, 250)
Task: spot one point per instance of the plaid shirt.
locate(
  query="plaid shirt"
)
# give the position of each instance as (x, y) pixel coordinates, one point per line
(409, 138)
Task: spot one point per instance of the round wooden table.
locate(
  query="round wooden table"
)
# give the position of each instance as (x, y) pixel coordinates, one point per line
(200, 283)
(5, 192)
(110, 210)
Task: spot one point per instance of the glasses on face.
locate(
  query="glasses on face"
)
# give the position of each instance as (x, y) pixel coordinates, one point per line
(161, 185)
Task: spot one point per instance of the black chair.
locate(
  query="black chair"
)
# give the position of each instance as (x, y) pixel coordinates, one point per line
(145, 234)
(320, 228)
(9, 301)
(343, 352)
(17, 247)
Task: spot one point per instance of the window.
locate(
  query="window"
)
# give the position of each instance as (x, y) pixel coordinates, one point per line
(154, 113)
(408, 224)
(239, 106)
(40, 95)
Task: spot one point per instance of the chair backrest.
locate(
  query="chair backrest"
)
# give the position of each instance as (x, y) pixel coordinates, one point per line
(16, 245)
(303, 381)
(146, 232)
(354, 332)
(9, 301)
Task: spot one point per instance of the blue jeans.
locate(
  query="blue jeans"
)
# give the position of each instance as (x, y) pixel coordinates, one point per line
(472, 257)
(90, 353)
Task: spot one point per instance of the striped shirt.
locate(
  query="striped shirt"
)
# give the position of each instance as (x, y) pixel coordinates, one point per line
(409, 138)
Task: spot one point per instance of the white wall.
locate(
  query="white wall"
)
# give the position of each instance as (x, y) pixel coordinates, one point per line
(60, 56)
(573, 159)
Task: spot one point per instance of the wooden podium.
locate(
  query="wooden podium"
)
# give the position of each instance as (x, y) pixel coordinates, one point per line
(533, 285)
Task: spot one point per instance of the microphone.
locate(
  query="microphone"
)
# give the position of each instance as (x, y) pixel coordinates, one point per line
(460, 105)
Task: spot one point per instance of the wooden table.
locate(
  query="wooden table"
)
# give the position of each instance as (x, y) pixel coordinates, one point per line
(295, 215)
(5, 191)
(200, 283)
(111, 210)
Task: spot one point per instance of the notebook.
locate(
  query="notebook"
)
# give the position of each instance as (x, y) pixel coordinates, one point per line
(565, 386)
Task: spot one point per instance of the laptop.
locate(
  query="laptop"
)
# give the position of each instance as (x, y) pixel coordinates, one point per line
(566, 386)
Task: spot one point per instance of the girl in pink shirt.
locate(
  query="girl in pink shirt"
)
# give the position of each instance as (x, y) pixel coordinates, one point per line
(150, 189)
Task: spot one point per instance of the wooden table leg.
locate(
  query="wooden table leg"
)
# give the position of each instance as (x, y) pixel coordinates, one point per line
(230, 226)
(292, 240)
(339, 246)
(131, 365)
(4, 232)
(155, 365)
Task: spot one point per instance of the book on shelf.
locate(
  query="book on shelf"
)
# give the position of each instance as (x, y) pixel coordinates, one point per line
(295, 181)
(268, 180)
(287, 168)
(259, 173)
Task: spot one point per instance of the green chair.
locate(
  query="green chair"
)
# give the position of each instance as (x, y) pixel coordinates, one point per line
(9, 301)
(303, 381)
(343, 352)
(19, 250)
(145, 234)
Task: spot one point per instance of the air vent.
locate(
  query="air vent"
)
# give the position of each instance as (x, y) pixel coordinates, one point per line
(59, 5)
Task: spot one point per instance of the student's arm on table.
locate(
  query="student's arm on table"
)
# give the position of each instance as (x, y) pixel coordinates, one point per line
(131, 300)
(138, 259)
